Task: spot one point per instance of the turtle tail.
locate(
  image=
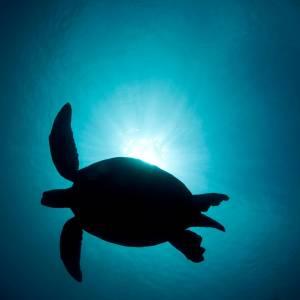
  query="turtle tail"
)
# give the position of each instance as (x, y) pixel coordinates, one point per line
(57, 198)
(205, 221)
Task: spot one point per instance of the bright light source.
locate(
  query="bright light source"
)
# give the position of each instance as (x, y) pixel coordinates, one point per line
(150, 150)
(150, 122)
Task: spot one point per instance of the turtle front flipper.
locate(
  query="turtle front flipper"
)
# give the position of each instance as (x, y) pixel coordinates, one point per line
(62, 144)
(188, 243)
(70, 247)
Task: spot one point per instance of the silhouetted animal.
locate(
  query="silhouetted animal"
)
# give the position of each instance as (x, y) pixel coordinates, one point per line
(123, 200)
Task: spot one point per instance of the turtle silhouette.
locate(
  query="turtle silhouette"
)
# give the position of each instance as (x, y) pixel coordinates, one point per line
(123, 200)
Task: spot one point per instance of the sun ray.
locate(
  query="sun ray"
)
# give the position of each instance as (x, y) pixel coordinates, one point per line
(149, 122)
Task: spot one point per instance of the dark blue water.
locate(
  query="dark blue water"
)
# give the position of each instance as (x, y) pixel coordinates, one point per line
(208, 90)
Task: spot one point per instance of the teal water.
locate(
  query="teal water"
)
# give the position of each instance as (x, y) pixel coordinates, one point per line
(208, 90)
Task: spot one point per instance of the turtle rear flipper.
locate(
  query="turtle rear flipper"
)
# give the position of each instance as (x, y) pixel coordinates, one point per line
(62, 144)
(70, 247)
(204, 201)
(188, 243)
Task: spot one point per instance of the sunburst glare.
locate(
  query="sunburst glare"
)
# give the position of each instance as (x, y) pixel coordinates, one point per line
(148, 149)
(151, 122)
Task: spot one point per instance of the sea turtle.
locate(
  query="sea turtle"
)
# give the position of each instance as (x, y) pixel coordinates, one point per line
(123, 200)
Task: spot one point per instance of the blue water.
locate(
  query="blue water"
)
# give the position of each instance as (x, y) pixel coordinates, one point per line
(208, 90)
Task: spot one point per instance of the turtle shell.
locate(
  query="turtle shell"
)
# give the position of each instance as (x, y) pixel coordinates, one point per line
(128, 201)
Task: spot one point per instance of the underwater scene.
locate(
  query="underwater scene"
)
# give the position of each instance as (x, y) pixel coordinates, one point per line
(208, 91)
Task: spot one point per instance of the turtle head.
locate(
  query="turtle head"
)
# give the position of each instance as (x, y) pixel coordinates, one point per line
(58, 198)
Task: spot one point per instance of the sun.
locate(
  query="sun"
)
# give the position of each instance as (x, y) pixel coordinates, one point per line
(153, 123)
(149, 149)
